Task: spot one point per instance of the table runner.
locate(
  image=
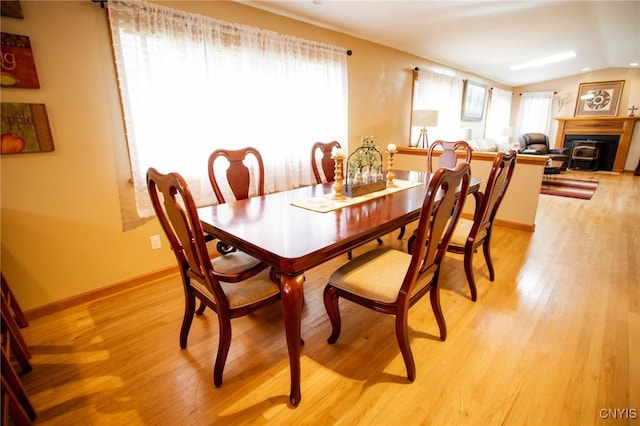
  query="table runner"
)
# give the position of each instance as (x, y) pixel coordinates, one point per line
(326, 203)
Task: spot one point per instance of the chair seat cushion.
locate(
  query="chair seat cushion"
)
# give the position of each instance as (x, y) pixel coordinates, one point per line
(462, 231)
(234, 263)
(375, 275)
(243, 293)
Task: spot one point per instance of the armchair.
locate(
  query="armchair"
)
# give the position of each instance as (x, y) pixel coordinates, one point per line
(538, 144)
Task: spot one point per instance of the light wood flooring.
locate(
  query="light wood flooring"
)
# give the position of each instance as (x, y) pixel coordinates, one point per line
(554, 340)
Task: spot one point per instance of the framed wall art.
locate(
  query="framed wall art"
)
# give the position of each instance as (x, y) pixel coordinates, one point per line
(599, 99)
(25, 128)
(11, 8)
(18, 68)
(473, 100)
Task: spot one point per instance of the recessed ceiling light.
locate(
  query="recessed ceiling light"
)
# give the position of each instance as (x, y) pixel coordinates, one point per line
(633, 64)
(585, 69)
(544, 61)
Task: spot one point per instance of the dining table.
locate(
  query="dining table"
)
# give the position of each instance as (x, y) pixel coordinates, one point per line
(292, 239)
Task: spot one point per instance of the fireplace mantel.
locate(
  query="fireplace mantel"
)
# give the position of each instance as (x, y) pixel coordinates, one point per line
(621, 126)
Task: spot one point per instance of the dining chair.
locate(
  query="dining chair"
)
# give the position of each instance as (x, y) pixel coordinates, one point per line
(391, 281)
(19, 316)
(448, 157)
(16, 404)
(237, 180)
(178, 216)
(321, 153)
(471, 234)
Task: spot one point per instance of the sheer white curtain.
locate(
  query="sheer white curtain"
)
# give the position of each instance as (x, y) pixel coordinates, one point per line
(499, 113)
(535, 113)
(191, 84)
(441, 92)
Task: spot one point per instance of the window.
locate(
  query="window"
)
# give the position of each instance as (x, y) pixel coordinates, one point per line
(499, 113)
(441, 92)
(191, 84)
(535, 113)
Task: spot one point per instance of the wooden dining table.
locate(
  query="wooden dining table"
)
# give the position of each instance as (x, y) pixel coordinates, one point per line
(293, 240)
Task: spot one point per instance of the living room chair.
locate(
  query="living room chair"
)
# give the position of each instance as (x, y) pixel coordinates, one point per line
(391, 281)
(177, 213)
(321, 153)
(538, 144)
(471, 234)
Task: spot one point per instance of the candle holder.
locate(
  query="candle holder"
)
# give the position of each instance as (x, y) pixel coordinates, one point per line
(390, 174)
(337, 177)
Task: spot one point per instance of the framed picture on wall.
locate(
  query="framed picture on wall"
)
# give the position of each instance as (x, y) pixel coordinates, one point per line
(599, 99)
(18, 67)
(473, 100)
(25, 128)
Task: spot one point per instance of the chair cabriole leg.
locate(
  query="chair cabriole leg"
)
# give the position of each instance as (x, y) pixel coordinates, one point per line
(402, 335)
(332, 306)
(224, 343)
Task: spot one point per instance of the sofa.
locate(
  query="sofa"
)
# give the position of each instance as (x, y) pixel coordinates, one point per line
(491, 145)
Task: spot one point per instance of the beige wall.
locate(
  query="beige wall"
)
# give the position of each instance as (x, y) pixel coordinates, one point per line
(61, 230)
(569, 85)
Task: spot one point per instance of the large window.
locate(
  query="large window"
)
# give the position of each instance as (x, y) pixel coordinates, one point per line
(191, 84)
(441, 92)
(498, 114)
(535, 113)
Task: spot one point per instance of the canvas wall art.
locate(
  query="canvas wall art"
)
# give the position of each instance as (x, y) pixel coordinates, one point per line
(25, 128)
(18, 68)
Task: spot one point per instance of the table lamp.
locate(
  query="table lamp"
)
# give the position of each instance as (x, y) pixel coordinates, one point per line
(424, 118)
(508, 132)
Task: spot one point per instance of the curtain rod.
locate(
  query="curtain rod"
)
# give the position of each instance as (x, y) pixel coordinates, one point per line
(349, 52)
(555, 93)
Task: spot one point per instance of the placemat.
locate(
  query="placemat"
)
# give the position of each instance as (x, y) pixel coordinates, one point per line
(326, 203)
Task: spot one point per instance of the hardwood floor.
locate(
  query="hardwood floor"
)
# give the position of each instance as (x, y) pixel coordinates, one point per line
(553, 340)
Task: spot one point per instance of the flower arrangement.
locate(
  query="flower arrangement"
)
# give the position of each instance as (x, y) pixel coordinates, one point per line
(364, 168)
(562, 100)
(367, 156)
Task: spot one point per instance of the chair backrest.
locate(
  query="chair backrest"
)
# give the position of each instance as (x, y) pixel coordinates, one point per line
(504, 164)
(438, 217)
(238, 174)
(321, 152)
(537, 141)
(178, 215)
(448, 157)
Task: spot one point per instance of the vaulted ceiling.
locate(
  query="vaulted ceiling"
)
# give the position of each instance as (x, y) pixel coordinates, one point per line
(486, 38)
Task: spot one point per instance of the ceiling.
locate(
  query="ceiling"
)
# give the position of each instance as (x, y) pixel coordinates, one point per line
(486, 37)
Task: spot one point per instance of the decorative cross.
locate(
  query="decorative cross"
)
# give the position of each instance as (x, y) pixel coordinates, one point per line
(633, 110)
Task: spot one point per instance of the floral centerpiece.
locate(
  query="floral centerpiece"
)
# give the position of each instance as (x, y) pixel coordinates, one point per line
(364, 168)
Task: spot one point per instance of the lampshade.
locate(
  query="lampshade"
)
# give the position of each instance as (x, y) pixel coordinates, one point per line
(507, 131)
(424, 118)
(466, 134)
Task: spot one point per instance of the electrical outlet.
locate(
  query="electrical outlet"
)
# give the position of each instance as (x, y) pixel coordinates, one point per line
(155, 242)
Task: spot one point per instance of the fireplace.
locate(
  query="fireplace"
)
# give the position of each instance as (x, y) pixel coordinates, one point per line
(600, 129)
(592, 152)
